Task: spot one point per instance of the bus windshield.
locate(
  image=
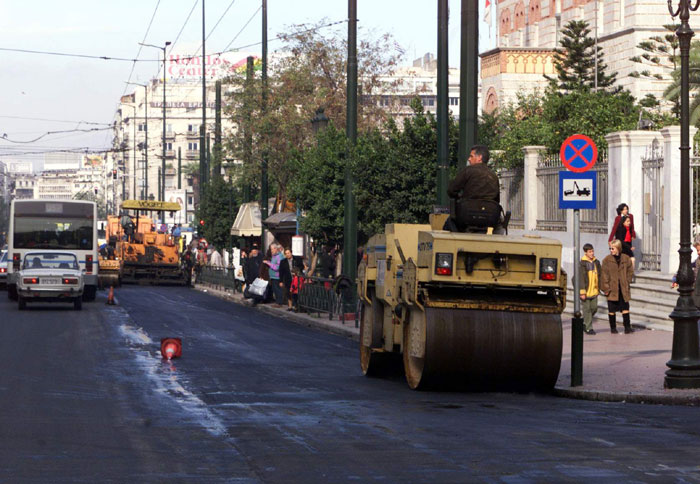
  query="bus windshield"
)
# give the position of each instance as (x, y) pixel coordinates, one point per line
(47, 233)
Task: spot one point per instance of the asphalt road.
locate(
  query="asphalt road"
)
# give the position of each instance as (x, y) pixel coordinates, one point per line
(85, 397)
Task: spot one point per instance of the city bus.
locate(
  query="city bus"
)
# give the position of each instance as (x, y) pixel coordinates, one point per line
(53, 225)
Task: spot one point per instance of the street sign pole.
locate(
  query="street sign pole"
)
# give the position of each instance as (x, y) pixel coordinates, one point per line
(577, 320)
(578, 154)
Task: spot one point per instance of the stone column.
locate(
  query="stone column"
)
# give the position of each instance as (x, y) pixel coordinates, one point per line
(626, 149)
(531, 156)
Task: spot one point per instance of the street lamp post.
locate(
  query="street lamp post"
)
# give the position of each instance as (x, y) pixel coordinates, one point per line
(161, 180)
(684, 365)
(145, 133)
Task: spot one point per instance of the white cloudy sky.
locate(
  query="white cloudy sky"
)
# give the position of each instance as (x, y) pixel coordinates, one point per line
(44, 93)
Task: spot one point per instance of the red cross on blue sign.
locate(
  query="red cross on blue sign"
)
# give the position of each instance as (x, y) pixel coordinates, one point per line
(578, 153)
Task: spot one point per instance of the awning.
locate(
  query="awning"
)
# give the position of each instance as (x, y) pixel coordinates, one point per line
(247, 223)
(282, 222)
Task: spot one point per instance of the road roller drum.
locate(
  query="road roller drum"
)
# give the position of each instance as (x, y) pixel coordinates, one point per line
(478, 310)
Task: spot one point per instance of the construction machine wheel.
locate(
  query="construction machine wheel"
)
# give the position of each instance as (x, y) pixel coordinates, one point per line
(480, 348)
(373, 360)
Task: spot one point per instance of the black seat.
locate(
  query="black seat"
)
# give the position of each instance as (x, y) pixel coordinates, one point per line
(64, 265)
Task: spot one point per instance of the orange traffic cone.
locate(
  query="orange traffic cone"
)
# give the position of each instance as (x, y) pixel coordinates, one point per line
(171, 348)
(110, 298)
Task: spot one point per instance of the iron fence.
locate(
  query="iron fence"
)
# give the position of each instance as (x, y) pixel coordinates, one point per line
(549, 216)
(221, 277)
(332, 296)
(512, 196)
(596, 221)
(652, 188)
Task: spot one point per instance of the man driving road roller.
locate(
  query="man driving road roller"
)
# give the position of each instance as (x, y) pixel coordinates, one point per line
(477, 193)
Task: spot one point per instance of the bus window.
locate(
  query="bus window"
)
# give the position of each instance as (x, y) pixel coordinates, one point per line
(45, 233)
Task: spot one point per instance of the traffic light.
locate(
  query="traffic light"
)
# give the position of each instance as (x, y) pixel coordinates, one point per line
(201, 222)
(114, 174)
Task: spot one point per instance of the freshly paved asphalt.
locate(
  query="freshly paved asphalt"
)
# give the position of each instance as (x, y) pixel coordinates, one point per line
(255, 398)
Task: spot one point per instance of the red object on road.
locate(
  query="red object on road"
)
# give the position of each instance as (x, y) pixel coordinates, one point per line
(171, 348)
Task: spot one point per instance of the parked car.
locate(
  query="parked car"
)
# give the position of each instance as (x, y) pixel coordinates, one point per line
(3, 269)
(50, 277)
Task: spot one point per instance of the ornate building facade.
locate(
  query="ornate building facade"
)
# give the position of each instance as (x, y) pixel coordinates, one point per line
(528, 32)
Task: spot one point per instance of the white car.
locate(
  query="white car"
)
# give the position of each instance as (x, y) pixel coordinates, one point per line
(50, 277)
(3, 269)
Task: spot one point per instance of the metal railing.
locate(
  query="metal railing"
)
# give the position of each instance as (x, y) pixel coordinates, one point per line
(652, 187)
(222, 277)
(549, 216)
(512, 196)
(321, 295)
(596, 221)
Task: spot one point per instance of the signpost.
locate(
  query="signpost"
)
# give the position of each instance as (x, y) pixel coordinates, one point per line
(577, 190)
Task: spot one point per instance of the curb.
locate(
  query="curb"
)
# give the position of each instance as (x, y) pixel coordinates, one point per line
(620, 397)
(298, 318)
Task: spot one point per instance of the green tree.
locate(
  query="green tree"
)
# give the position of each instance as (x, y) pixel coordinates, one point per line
(574, 60)
(673, 92)
(218, 208)
(311, 75)
(594, 114)
(657, 61)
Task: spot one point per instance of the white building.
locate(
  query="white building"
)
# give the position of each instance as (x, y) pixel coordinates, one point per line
(139, 123)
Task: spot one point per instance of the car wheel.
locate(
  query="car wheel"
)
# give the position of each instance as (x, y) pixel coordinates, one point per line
(78, 303)
(22, 303)
(89, 293)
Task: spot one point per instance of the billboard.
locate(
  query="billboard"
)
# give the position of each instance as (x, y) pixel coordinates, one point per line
(176, 196)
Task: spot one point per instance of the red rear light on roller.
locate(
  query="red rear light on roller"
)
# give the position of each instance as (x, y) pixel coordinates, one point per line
(548, 269)
(443, 264)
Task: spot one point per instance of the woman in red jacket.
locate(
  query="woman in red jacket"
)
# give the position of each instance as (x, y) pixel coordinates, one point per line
(623, 210)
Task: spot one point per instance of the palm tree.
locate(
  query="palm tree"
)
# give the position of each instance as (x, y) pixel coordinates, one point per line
(673, 92)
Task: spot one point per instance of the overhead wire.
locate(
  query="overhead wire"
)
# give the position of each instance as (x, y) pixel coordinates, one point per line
(48, 133)
(172, 46)
(55, 120)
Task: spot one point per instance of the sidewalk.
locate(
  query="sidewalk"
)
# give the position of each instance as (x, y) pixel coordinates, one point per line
(616, 367)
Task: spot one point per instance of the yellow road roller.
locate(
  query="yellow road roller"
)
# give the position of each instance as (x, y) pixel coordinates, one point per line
(476, 310)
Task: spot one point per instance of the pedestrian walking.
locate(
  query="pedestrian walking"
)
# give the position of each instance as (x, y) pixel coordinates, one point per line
(615, 278)
(286, 267)
(589, 287)
(623, 210)
(274, 268)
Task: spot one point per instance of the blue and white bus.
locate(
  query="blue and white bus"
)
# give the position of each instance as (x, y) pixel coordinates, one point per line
(53, 225)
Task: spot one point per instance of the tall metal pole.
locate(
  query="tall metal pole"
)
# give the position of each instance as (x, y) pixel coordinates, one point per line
(145, 130)
(217, 133)
(134, 195)
(248, 135)
(577, 320)
(350, 218)
(203, 168)
(442, 94)
(684, 365)
(179, 167)
(162, 162)
(469, 80)
(263, 184)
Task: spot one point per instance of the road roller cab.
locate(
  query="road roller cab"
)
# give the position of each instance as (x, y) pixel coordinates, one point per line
(485, 308)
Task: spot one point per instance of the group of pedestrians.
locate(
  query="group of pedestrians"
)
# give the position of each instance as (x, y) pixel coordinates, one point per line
(612, 278)
(271, 278)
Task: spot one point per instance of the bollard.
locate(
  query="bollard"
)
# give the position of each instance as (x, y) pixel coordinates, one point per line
(577, 350)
